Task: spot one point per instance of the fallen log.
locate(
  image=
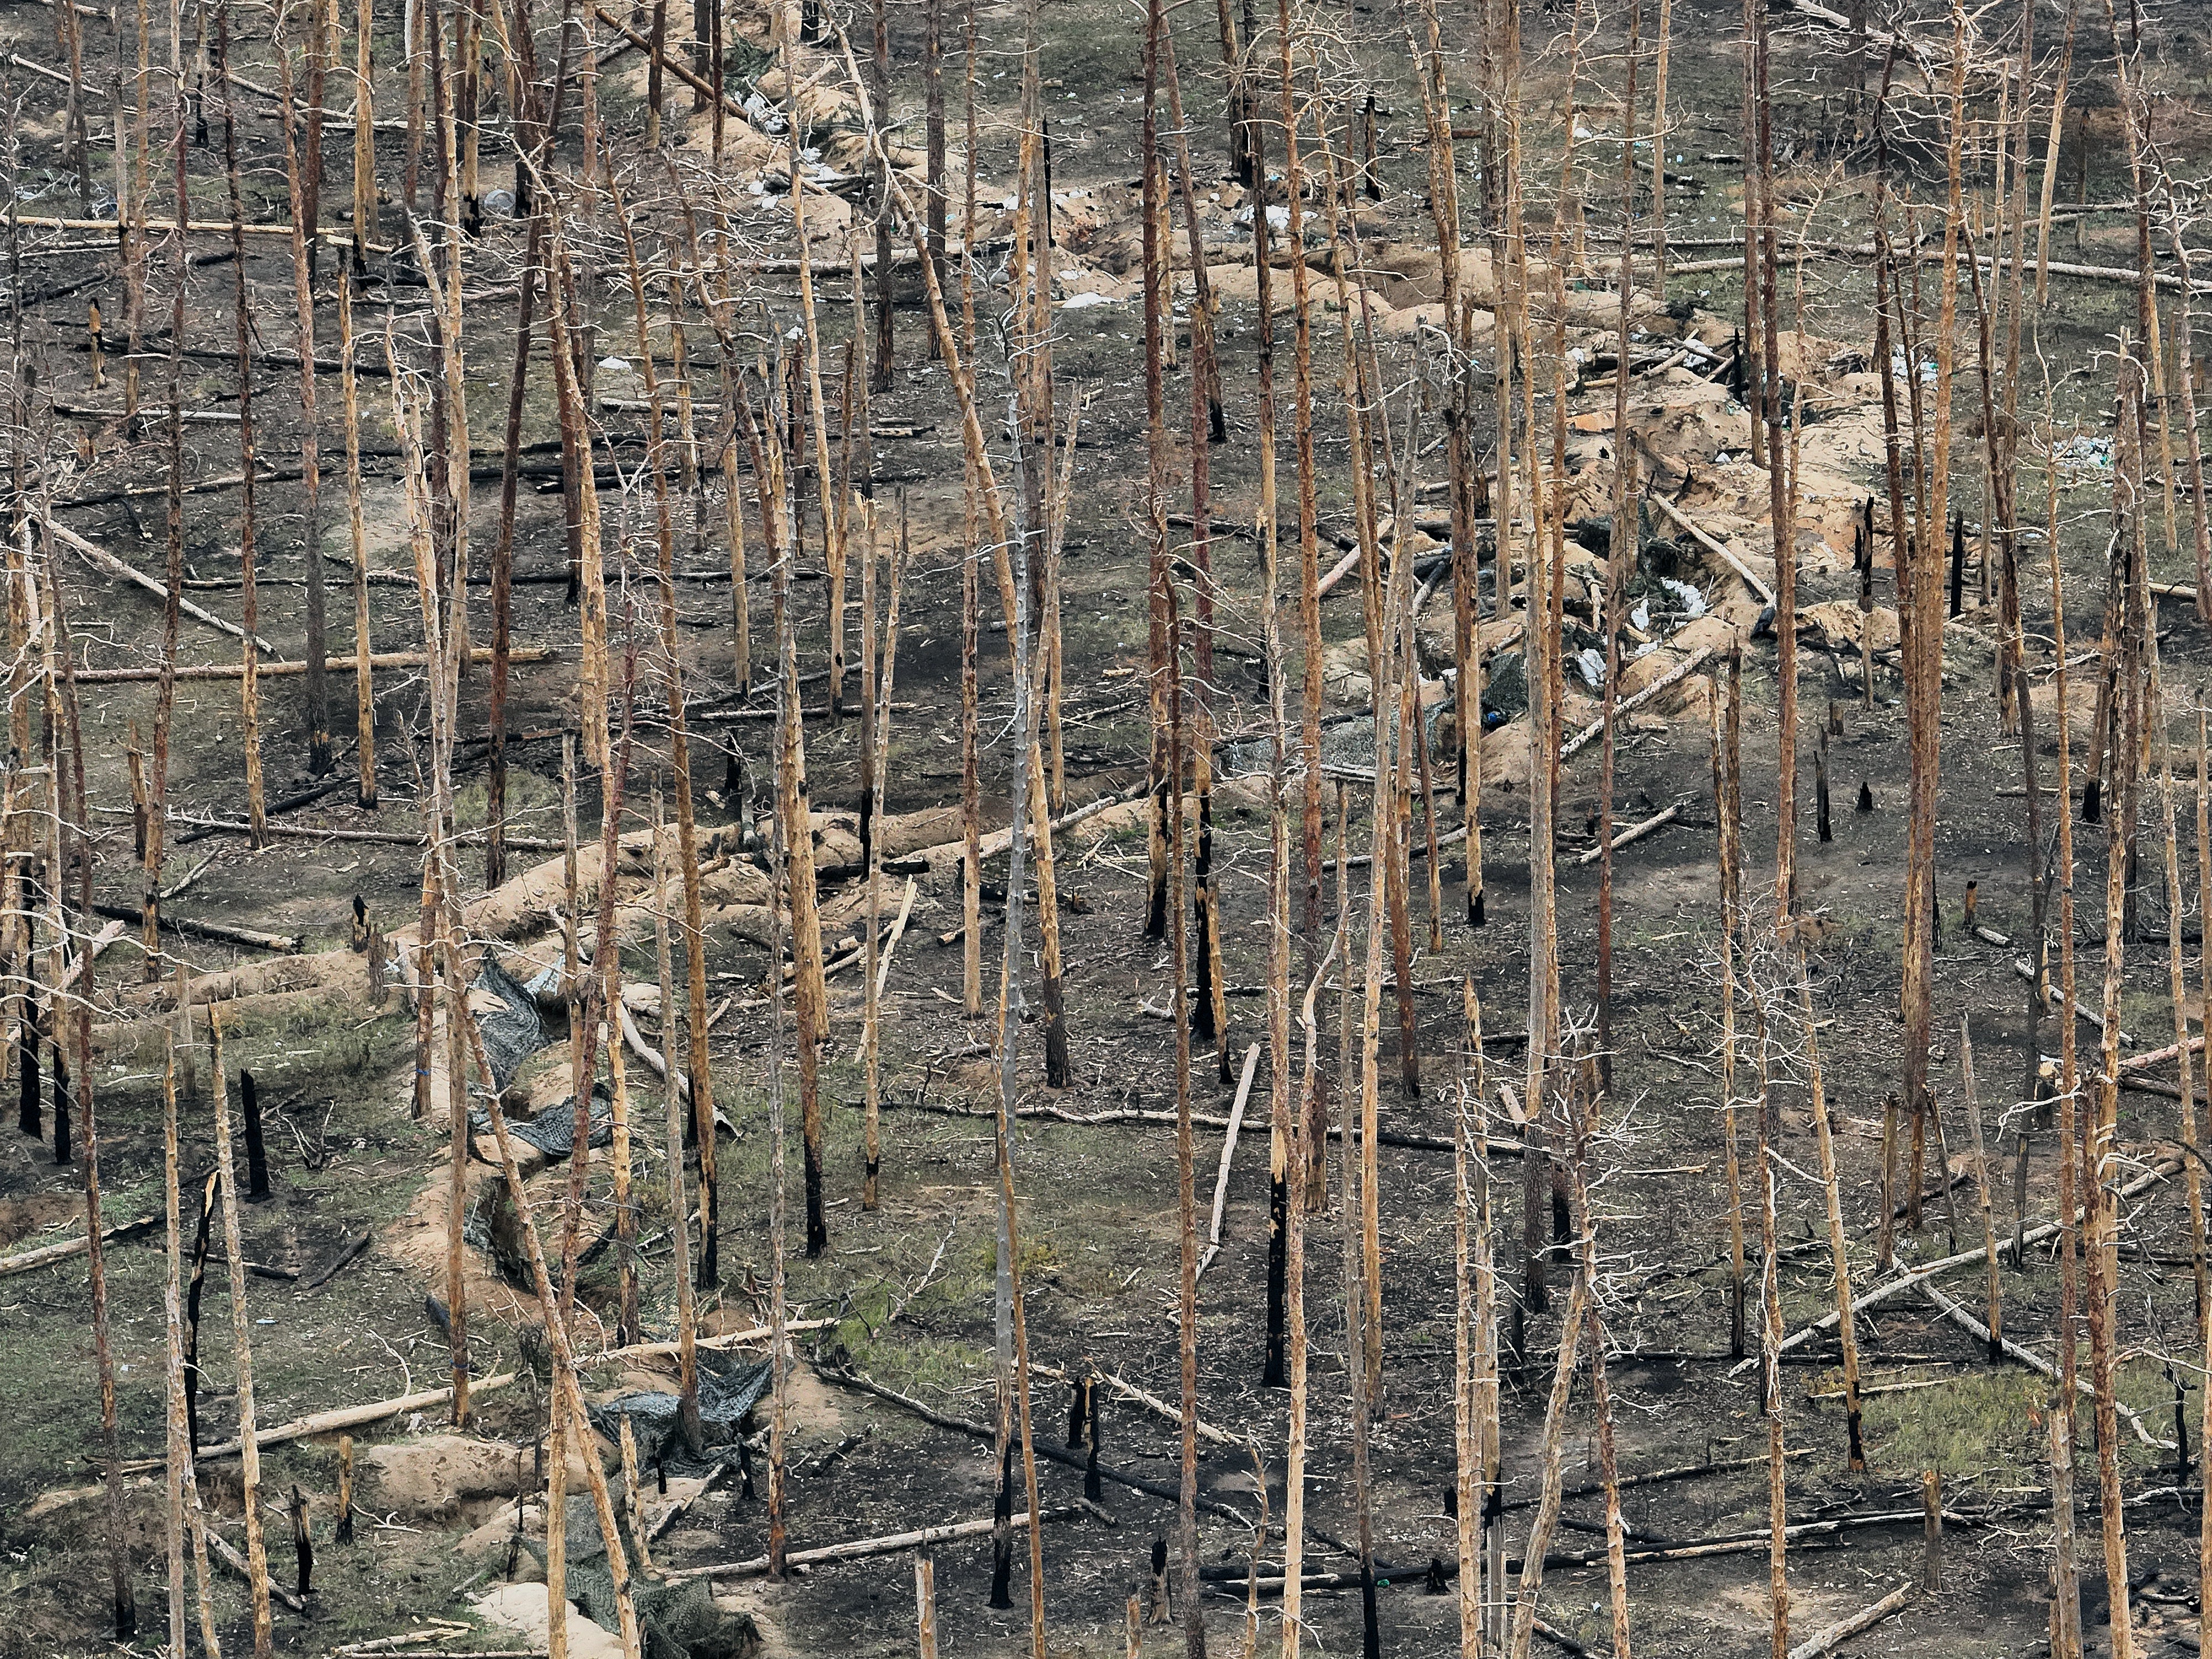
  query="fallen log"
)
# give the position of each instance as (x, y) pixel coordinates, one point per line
(231, 671)
(1400, 1138)
(1681, 671)
(2158, 1056)
(291, 802)
(1634, 832)
(1228, 1153)
(666, 1350)
(1126, 1390)
(1827, 1641)
(2035, 1362)
(46, 1254)
(1681, 1472)
(283, 944)
(1891, 1288)
(891, 1544)
(354, 1249)
(672, 1512)
(202, 828)
(107, 564)
(448, 1631)
(898, 931)
(332, 1422)
(2024, 970)
(193, 226)
(231, 1559)
(1044, 1448)
(1699, 534)
(2149, 1085)
(91, 952)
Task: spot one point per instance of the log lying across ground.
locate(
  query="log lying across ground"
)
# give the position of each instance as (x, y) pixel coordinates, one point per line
(1891, 1288)
(106, 563)
(2035, 1362)
(1400, 1138)
(231, 671)
(223, 932)
(1635, 832)
(46, 1254)
(332, 1422)
(1045, 1447)
(1681, 671)
(891, 1544)
(750, 1335)
(1827, 1641)
(221, 1549)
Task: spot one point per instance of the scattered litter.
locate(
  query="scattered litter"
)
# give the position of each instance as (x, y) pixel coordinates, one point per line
(764, 116)
(1087, 301)
(2086, 453)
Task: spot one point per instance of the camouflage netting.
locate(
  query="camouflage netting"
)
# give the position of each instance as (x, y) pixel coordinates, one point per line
(1348, 747)
(507, 1019)
(675, 1621)
(728, 1391)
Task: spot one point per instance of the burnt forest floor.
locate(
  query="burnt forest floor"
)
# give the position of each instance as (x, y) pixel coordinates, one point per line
(910, 1284)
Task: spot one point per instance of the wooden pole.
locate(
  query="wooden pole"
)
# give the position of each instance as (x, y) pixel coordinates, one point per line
(786, 44)
(1551, 1450)
(250, 705)
(1284, 1116)
(1991, 1290)
(241, 1321)
(1660, 132)
(1770, 1343)
(123, 1603)
(568, 1404)
(2204, 970)
(364, 681)
(2051, 162)
(925, 1599)
(1608, 1468)
(345, 1531)
(302, 170)
(1156, 305)
(1186, 1152)
(1782, 503)
(810, 998)
(971, 828)
(503, 560)
(879, 695)
(1618, 566)
(1728, 776)
(1294, 1213)
(1845, 1327)
(1310, 630)
(2177, 987)
(176, 1443)
(1359, 1332)
(590, 570)
(1466, 1438)
(672, 1092)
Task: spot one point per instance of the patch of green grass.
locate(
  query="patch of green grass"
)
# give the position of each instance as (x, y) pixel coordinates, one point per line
(1990, 1426)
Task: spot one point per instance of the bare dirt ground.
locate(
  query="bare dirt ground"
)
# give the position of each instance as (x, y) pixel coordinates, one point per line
(1098, 1202)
